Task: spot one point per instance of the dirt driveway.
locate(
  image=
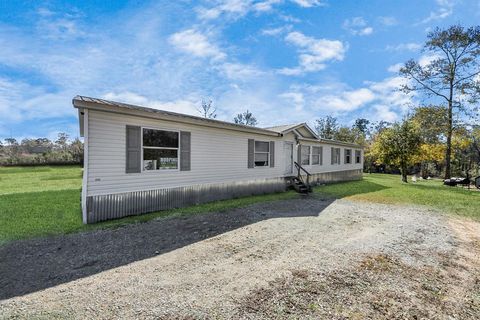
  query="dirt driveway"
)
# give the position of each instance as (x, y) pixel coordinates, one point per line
(303, 258)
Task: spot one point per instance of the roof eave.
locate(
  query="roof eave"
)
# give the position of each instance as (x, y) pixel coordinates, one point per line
(303, 124)
(334, 142)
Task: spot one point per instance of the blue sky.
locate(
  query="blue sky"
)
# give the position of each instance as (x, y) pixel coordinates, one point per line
(286, 61)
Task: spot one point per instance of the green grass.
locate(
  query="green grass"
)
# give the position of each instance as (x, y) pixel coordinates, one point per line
(15, 180)
(45, 201)
(382, 188)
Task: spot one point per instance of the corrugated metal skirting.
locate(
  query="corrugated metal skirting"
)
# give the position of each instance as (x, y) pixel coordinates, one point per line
(106, 207)
(336, 176)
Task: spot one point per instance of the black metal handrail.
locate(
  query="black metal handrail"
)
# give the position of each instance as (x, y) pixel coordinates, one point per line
(299, 176)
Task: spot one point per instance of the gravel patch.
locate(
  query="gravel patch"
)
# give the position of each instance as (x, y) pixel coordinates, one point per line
(307, 257)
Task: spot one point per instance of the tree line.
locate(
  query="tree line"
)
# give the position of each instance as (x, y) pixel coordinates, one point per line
(41, 151)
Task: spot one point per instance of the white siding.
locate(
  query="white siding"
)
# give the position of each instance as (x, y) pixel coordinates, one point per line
(217, 155)
(327, 153)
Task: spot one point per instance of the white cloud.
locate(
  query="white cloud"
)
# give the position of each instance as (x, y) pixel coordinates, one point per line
(59, 26)
(388, 21)
(383, 112)
(426, 59)
(289, 18)
(410, 46)
(296, 98)
(380, 100)
(194, 42)
(395, 68)
(20, 101)
(187, 106)
(357, 26)
(276, 31)
(314, 53)
(309, 3)
(239, 71)
(345, 101)
(444, 10)
(265, 5)
(236, 9)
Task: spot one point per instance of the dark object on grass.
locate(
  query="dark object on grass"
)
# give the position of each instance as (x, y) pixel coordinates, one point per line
(477, 182)
(457, 181)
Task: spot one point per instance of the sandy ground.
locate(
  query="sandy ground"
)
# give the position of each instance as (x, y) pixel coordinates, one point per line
(303, 258)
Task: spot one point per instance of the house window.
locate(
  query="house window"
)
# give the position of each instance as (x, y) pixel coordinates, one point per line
(160, 149)
(262, 153)
(335, 155)
(305, 155)
(317, 155)
(358, 156)
(348, 155)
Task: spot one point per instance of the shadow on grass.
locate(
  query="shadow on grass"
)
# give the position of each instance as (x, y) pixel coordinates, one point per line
(28, 266)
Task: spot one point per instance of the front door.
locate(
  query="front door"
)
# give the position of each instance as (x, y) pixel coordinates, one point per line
(288, 152)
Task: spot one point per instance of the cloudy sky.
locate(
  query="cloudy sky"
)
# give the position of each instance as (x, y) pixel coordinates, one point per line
(285, 60)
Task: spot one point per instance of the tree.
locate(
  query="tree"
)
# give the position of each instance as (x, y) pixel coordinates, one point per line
(62, 140)
(476, 142)
(245, 118)
(397, 146)
(450, 76)
(207, 110)
(432, 122)
(327, 127)
(380, 126)
(76, 149)
(362, 125)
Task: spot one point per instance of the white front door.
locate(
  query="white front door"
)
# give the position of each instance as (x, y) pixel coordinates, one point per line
(288, 153)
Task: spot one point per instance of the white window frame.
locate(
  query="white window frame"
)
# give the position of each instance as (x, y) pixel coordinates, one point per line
(309, 155)
(255, 152)
(320, 156)
(161, 148)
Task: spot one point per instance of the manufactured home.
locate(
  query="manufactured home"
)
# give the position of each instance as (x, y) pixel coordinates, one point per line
(139, 160)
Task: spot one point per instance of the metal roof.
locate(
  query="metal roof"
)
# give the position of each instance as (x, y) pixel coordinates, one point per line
(283, 128)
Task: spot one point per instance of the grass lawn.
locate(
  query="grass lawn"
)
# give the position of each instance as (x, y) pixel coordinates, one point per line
(383, 188)
(44, 201)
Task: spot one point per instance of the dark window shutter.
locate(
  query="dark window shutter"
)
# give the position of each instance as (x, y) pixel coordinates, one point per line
(333, 155)
(321, 155)
(185, 150)
(134, 149)
(272, 154)
(299, 154)
(251, 151)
